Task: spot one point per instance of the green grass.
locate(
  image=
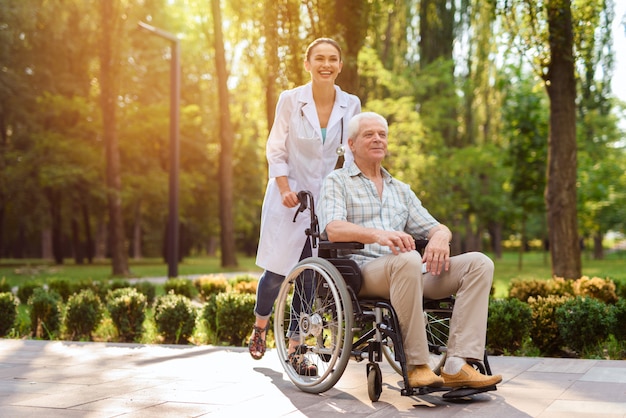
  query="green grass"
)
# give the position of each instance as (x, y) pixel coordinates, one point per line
(537, 265)
(17, 271)
(534, 265)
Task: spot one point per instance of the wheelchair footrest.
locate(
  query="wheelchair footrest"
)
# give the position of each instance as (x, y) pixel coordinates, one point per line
(465, 392)
(450, 393)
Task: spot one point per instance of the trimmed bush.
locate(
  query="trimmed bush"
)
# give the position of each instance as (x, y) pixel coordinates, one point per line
(246, 286)
(26, 289)
(148, 289)
(4, 286)
(118, 284)
(597, 288)
(127, 308)
(508, 325)
(544, 329)
(175, 318)
(45, 313)
(62, 286)
(230, 316)
(99, 287)
(619, 319)
(83, 313)
(210, 285)
(583, 322)
(180, 286)
(524, 289)
(8, 312)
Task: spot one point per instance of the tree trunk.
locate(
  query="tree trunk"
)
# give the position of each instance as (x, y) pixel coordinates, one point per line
(54, 201)
(436, 30)
(76, 244)
(437, 26)
(353, 33)
(109, 80)
(227, 222)
(561, 176)
(89, 246)
(46, 244)
(2, 212)
(137, 253)
(598, 250)
(100, 246)
(271, 54)
(495, 233)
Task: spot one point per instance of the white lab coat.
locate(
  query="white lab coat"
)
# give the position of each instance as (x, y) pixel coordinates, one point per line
(295, 149)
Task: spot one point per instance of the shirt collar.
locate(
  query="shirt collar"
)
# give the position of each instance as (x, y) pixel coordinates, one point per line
(354, 170)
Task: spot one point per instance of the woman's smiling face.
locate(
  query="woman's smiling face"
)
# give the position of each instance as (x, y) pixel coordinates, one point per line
(324, 63)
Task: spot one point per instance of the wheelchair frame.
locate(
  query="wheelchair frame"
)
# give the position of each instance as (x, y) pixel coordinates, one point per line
(327, 287)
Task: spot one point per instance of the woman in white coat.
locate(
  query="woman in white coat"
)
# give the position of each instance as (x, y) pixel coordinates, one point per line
(308, 135)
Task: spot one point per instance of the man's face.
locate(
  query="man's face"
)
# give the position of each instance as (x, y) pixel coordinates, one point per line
(371, 142)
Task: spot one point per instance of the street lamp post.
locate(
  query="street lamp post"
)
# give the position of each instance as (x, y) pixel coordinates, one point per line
(172, 243)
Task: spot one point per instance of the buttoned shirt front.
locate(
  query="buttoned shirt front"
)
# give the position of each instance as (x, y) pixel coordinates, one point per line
(347, 195)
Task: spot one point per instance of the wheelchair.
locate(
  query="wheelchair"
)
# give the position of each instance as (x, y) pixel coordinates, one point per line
(334, 325)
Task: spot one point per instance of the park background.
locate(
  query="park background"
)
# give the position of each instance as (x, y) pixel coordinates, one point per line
(530, 173)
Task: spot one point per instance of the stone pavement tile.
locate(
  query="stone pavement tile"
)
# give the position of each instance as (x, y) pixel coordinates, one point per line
(26, 412)
(597, 391)
(12, 387)
(539, 385)
(585, 409)
(609, 373)
(523, 403)
(112, 407)
(563, 365)
(173, 410)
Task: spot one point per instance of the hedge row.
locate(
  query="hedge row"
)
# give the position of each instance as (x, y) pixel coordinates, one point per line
(558, 317)
(74, 311)
(552, 317)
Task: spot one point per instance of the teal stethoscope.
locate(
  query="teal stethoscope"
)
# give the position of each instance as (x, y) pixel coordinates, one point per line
(305, 133)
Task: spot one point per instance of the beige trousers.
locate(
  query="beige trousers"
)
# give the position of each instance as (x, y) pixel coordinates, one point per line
(399, 278)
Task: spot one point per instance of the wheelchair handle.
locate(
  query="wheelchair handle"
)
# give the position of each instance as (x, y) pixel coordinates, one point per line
(307, 202)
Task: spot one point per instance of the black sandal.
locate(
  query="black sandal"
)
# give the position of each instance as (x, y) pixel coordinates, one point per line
(256, 346)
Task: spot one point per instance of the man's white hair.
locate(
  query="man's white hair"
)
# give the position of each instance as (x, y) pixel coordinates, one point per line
(354, 125)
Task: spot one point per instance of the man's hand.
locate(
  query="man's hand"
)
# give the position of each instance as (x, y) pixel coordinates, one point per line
(437, 253)
(398, 241)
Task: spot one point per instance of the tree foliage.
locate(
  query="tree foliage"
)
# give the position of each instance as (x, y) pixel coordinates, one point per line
(84, 155)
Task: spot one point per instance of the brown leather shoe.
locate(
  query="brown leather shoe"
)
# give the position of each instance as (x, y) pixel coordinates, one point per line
(421, 376)
(470, 377)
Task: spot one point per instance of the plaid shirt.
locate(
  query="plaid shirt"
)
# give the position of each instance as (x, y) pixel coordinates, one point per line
(348, 195)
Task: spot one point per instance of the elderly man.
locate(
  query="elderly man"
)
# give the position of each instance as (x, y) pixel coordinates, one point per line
(364, 203)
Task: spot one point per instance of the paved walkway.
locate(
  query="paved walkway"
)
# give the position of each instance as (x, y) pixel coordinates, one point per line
(69, 379)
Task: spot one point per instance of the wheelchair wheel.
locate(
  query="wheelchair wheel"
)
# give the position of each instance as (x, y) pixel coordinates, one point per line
(374, 381)
(437, 314)
(437, 330)
(315, 302)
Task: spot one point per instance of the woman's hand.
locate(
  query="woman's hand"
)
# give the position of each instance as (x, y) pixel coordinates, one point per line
(289, 198)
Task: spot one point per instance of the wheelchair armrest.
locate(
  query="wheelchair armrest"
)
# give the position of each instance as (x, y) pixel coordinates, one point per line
(328, 249)
(420, 245)
(328, 245)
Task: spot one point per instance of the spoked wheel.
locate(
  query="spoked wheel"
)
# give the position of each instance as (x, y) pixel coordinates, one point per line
(437, 314)
(314, 307)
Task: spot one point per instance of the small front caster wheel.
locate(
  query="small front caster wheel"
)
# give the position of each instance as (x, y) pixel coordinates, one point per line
(374, 381)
